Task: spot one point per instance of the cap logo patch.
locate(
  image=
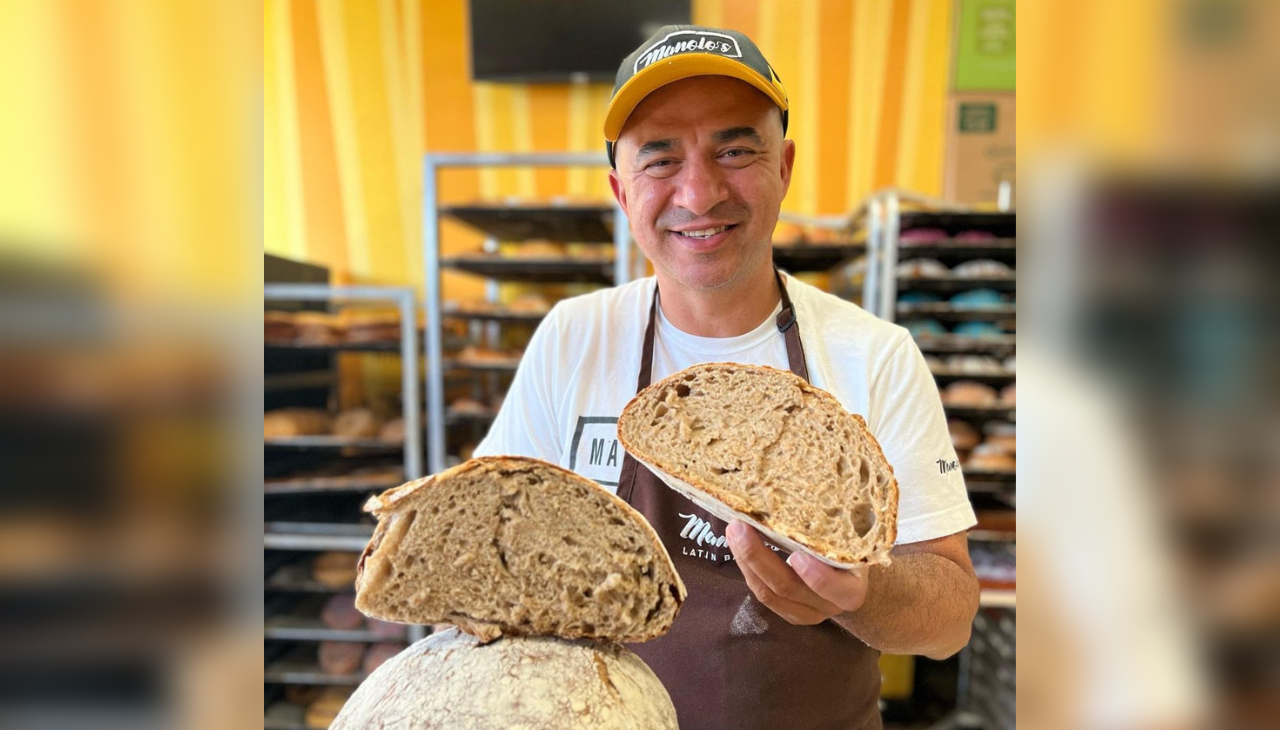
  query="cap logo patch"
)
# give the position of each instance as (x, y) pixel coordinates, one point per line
(687, 41)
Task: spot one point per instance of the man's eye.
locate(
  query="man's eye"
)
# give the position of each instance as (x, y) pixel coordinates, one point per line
(737, 153)
(659, 163)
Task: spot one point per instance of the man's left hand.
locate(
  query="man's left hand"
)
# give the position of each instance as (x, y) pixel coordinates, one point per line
(802, 589)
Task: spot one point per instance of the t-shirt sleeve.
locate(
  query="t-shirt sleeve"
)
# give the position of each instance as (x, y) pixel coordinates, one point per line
(912, 429)
(526, 423)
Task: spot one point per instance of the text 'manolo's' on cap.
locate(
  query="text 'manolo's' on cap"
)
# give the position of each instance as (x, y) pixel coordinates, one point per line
(678, 52)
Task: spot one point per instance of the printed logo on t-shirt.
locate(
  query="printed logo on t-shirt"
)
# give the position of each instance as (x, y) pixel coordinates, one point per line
(595, 452)
(947, 466)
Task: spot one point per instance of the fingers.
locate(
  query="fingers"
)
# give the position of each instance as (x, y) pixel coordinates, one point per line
(773, 582)
(794, 613)
(847, 589)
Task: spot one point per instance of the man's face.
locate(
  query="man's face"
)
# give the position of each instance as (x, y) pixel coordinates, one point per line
(704, 153)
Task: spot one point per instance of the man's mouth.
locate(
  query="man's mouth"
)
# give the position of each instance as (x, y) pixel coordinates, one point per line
(704, 233)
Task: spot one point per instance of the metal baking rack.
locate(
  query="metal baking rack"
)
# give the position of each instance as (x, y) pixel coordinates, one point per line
(289, 581)
(570, 222)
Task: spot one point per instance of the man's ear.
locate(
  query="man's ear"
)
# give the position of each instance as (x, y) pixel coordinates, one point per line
(788, 160)
(619, 192)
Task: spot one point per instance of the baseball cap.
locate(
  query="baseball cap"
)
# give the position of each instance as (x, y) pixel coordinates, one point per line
(677, 52)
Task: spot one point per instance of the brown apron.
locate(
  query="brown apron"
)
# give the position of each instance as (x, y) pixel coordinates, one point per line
(729, 662)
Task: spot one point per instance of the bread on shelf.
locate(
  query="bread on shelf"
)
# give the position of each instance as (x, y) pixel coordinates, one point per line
(339, 612)
(963, 435)
(291, 422)
(357, 423)
(322, 712)
(969, 394)
(340, 657)
(335, 569)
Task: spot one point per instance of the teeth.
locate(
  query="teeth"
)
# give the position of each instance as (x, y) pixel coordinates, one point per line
(705, 233)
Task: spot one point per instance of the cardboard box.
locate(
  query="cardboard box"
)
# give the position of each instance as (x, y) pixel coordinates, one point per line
(981, 146)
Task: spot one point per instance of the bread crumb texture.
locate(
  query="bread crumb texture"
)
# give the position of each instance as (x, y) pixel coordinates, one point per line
(771, 447)
(515, 546)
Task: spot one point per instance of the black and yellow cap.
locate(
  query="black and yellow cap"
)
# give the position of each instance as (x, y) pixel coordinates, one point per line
(677, 52)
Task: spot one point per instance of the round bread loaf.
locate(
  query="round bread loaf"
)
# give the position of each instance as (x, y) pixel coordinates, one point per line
(380, 653)
(339, 612)
(963, 435)
(335, 569)
(452, 680)
(357, 423)
(386, 630)
(340, 657)
(321, 712)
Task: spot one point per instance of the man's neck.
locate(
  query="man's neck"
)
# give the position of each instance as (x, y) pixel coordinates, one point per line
(728, 312)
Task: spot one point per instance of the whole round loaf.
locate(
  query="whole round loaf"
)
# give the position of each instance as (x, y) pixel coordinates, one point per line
(339, 612)
(340, 657)
(452, 680)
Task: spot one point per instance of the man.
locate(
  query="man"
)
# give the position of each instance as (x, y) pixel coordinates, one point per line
(695, 130)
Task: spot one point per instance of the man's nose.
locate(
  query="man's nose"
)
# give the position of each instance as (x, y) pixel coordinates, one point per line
(700, 186)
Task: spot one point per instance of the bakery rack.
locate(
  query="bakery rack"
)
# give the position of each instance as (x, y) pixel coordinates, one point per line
(570, 222)
(408, 348)
(292, 596)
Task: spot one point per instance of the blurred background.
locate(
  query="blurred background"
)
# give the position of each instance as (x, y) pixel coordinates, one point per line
(134, 232)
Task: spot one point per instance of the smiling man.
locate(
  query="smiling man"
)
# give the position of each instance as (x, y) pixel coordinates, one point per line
(696, 131)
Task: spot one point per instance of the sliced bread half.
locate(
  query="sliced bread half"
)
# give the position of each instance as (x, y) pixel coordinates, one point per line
(763, 446)
(517, 546)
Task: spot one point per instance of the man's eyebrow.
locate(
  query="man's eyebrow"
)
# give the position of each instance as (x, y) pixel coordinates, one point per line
(731, 134)
(657, 145)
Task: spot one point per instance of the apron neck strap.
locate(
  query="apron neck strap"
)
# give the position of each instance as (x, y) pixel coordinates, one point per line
(786, 323)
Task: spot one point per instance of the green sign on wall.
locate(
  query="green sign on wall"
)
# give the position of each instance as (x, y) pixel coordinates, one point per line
(986, 47)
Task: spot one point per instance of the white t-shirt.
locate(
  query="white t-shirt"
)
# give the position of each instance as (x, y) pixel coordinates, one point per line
(582, 363)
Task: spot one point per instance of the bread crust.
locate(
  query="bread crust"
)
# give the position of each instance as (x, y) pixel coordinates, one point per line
(450, 680)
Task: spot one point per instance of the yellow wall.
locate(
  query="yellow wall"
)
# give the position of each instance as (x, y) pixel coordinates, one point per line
(355, 91)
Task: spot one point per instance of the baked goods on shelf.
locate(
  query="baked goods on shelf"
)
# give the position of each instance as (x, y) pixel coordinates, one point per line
(392, 431)
(290, 422)
(989, 459)
(963, 434)
(340, 657)
(339, 612)
(371, 327)
(972, 237)
(468, 406)
(357, 423)
(978, 299)
(322, 712)
(921, 236)
(969, 394)
(924, 327)
(975, 365)
(483, 355)
(335, 569)
(923, 269)
(1002, 436)
(982, 269)
(318, 328)
(978, 330)
(379, 653)
(279, 327)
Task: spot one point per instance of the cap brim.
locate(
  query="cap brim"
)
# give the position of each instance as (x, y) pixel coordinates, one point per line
(679, 67)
